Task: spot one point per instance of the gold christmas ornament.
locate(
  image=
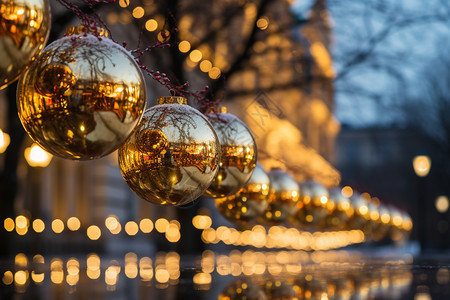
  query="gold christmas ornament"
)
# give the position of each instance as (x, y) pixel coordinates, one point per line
(82, 97)
(339, 214)
(172, 156)
(242, 290)
(313, 207)
(250, 202)
(238, 157)
(360, 216)
(24, 29)
(381, 224)
(400, 225)
(284, 195)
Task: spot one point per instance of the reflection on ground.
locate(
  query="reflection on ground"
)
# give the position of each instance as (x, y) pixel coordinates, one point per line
(253, 274)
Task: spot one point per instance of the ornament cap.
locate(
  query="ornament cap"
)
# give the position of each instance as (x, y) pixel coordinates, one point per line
(172, 100)
(221, 109)
(84, 29)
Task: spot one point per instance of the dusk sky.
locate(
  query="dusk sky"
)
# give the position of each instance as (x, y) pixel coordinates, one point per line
(393, 73)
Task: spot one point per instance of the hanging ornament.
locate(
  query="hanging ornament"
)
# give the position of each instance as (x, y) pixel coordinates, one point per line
(24, 29)
(400, 225)
(250, 202)
(381, 223)
(360, 209)
(242, 289)
(340, 213)
(172, 156)
(82, 97)
(314, 205)
(238, 157)
(283, 198)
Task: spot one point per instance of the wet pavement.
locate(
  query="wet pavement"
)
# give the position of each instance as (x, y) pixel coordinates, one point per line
(237, 274)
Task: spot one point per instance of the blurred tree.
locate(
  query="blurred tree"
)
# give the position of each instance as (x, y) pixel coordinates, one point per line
(380, 45)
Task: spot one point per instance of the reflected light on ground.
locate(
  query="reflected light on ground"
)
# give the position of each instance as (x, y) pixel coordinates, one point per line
(56, 271)
(146, 269)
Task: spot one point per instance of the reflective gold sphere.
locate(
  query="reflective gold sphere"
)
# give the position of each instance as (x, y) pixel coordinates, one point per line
(82, 97)
(314, 205)
(360, 208)
(24, 29)
(400, 225)
(340, 213)
(250, 202)
(242, 290)
(238, 157)
(172, 156)
(284, 195)
(381, 224)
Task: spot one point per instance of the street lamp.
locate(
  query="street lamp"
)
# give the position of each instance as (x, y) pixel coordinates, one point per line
(422, 166)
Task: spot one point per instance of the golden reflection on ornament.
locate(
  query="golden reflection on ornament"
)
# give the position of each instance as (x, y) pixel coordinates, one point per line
(283, 197)
(279, 290)
(238, 154)
(242, 289)
(172, 156)
(24, 29)
(250, 202)
(313, 207)
(82, 97)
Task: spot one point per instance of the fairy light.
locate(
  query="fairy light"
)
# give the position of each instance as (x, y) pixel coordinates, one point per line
(73, 223)
(262, 23)
(8, 224)
(195, 55)
(93, 232)
(57, 226)
(161, 225)
(38, 225)
(205, 66)
(214, 73)
(4, 141)
(37, 157)
(184, 46)
(146, 225)
(138, 12)
(131, 228)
